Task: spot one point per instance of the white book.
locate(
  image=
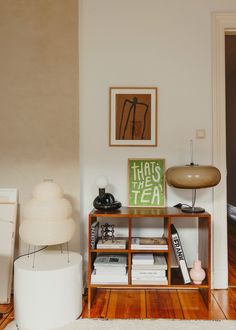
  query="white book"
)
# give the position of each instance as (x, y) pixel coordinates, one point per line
(110, 260)
(159, 264)
(116, 244)
(149, 277)
(111, 271)
(147, 247)
(143, 258)
(179, 253)
(154, 282)
(149, 267)
(139, 272)
(149, 243)
(109, 279)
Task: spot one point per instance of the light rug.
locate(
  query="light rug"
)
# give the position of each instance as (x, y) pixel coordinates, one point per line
(159, 324)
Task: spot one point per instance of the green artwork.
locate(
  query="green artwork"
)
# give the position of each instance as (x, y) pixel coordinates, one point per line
(146, 182)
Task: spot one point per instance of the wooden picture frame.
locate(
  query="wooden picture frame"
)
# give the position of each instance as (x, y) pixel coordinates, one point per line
(146, 181)
(133, 116)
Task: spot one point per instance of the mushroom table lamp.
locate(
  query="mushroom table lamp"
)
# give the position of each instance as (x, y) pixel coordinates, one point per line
(105, 201)
(193, 177)
(47, 216)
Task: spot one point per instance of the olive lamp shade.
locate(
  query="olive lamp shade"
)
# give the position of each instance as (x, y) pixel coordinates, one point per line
(47, 216)
(193, 176)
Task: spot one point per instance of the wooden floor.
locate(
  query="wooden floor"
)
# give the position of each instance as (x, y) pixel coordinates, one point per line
(232, 251)
(172, 304)
(141, 304)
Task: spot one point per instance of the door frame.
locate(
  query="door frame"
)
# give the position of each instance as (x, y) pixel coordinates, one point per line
(221, 23)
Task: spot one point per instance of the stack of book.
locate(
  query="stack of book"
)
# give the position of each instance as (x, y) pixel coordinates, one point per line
(149, 269)
(149, 243)
(110, 269)
(112, 244)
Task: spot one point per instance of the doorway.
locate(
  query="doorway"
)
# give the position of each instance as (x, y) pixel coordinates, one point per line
(230, 84)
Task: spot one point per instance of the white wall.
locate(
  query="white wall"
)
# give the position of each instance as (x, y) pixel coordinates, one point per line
(146, 43)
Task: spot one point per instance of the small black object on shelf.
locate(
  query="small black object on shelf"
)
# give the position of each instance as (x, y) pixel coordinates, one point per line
(105, 201)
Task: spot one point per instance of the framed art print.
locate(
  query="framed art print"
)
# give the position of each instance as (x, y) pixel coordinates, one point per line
(146, 182)
(133, 116)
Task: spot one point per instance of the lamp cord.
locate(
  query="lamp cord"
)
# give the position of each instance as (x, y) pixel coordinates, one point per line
(27, 254)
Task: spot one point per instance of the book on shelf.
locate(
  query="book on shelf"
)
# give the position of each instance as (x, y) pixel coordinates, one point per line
(110, 260)
(159, 264)
(179, 254)
(108, 279)
(109, 244)
(142, 259)
(110, 270)
(149, 243)
(160, 281)
(145, 272)
(94, 234)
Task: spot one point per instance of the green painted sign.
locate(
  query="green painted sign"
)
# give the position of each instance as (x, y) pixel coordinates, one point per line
(146, 182)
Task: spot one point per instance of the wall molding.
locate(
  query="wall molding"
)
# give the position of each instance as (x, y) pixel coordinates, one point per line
(221, 23)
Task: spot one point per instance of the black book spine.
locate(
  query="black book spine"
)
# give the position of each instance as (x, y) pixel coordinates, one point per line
(94, 234)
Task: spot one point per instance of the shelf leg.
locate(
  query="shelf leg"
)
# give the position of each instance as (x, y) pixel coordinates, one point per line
(91, 295)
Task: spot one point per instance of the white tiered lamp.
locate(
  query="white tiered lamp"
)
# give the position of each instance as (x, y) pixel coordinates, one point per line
(49, 294)
(47, 217)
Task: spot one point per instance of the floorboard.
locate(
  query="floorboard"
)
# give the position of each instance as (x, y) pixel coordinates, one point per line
(125, 304)
(99, 307)
(163, 304)
(227, 302)
(193, 305)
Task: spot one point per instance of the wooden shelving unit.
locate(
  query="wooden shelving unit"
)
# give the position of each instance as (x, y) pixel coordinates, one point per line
(169, 215)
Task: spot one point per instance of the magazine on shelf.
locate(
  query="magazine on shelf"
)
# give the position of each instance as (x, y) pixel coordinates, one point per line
(109, 244)
(108, 279)
(110, 260)
(151, 278)
(179, 254)
(145, 272)
(142, 259)
(161, 281)
(110, 270)
(94, 234)
(149, 243)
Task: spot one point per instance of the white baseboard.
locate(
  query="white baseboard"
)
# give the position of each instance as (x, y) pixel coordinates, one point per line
(220, 279)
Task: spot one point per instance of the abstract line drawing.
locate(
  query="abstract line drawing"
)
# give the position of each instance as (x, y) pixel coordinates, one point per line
(129, 113)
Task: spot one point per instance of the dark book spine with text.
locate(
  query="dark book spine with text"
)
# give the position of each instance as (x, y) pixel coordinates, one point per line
(179, 253)
(94, 234)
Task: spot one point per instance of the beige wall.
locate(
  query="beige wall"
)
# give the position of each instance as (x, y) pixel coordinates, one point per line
(39, 96)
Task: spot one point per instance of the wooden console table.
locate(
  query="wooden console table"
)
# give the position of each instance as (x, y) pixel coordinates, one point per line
(166, 216)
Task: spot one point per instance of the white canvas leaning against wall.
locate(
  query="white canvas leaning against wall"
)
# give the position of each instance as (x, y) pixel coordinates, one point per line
(8, 212)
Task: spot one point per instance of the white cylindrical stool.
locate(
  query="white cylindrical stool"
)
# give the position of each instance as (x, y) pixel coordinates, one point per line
(48, 295)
